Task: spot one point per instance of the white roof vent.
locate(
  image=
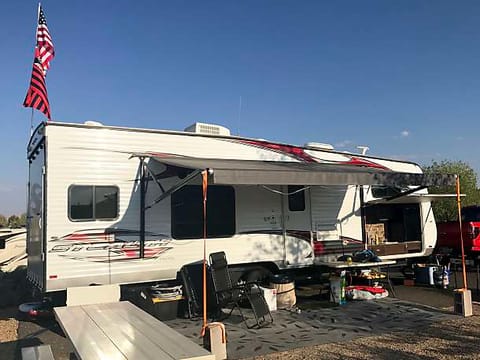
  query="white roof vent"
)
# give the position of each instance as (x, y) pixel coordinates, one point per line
(318, 146)
(93, 123)
(208, 129)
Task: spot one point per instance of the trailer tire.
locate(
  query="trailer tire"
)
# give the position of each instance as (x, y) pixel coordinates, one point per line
(257, 275)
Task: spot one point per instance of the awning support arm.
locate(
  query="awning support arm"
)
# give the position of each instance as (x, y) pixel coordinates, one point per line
(150, 172)
(363, 218)
(176, 187)
(405, 193)
(142, 207)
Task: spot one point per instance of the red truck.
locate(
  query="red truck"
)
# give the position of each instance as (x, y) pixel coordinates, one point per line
(448, 233)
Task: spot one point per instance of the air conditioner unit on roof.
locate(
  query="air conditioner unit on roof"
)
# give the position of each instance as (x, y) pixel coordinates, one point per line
(208, 129)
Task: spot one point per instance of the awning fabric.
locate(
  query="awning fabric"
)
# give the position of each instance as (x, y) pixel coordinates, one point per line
(258, 172)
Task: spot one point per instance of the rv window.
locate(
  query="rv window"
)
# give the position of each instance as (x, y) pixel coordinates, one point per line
(187, 212)
(296, 198)
(81, 202)
(380, 191)
(93, 202)
(106, 202)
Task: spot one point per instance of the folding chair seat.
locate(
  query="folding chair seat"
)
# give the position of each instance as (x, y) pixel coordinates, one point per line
(229, 295)
(259, 306)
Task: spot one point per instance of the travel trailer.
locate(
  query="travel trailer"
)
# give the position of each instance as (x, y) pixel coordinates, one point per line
(114, 205)
(13, 254)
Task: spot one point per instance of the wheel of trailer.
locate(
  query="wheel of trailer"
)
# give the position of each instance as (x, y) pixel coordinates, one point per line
(256, 275)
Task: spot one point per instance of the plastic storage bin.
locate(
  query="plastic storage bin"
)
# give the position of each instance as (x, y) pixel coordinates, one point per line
(160, 300)
(164, 309)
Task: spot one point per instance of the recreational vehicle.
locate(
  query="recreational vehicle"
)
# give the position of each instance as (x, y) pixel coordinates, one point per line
(115, 205)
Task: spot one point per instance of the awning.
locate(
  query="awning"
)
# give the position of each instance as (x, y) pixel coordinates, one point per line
(414, 199)
(258, 172)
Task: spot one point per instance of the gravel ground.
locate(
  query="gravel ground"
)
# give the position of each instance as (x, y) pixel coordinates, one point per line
(454, 339)
(8, 330)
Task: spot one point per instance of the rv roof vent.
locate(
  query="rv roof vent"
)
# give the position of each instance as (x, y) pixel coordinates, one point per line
(318, 146)
(208, 129)
(93, 123)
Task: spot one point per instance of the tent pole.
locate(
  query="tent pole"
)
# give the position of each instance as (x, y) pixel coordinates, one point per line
(459, 208)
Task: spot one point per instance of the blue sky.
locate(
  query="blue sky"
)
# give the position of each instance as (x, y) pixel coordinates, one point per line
(398, 76)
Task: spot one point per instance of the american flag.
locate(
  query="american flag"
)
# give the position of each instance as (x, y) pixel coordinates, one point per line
(44, 52)
(44, 42)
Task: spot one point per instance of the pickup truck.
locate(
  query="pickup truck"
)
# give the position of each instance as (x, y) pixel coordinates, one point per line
(448, 233)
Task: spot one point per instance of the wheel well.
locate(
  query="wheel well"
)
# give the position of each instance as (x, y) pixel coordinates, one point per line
(252, 272)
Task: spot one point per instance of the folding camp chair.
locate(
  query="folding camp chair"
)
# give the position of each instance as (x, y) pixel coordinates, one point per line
(229, 295)
(194, 304)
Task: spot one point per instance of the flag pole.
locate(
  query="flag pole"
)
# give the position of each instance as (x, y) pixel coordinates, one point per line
(31, 124)
(36, 29)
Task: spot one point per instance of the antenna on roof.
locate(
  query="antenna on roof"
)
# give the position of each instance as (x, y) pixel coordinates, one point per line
(363, 149)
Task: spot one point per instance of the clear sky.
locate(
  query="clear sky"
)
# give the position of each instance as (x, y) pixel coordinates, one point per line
(398, 76)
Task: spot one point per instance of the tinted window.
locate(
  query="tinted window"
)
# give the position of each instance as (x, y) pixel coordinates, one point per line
(296, 199)
(187, 212)
(106, 202)
(380, 191)
(81, 202)
(93, 202)
(471, 213)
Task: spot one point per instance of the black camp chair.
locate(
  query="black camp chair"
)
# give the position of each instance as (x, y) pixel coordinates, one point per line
(230, 296)
(192, 295)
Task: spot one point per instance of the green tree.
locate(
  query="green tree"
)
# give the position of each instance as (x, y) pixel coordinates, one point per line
(3, 221)
(446, 210)
(22, 220)
(13, 222)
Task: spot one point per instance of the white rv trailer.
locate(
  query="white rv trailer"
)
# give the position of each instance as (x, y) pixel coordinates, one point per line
(122, 205)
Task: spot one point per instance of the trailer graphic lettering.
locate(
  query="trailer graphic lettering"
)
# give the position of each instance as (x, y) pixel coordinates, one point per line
(108, 245)
(111, 252)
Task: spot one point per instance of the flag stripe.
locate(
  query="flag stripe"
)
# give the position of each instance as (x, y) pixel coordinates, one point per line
(37, 93)
(37, 97)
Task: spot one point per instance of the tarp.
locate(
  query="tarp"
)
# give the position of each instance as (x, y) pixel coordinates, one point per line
(258, 172)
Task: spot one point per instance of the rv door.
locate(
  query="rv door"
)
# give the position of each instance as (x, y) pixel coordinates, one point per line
(297, 226)
(35, 218)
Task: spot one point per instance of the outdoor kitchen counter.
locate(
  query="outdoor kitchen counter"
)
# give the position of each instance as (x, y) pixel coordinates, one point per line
(121, 330)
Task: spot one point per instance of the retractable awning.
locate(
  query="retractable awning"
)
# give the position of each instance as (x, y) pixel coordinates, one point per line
(258, 172)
